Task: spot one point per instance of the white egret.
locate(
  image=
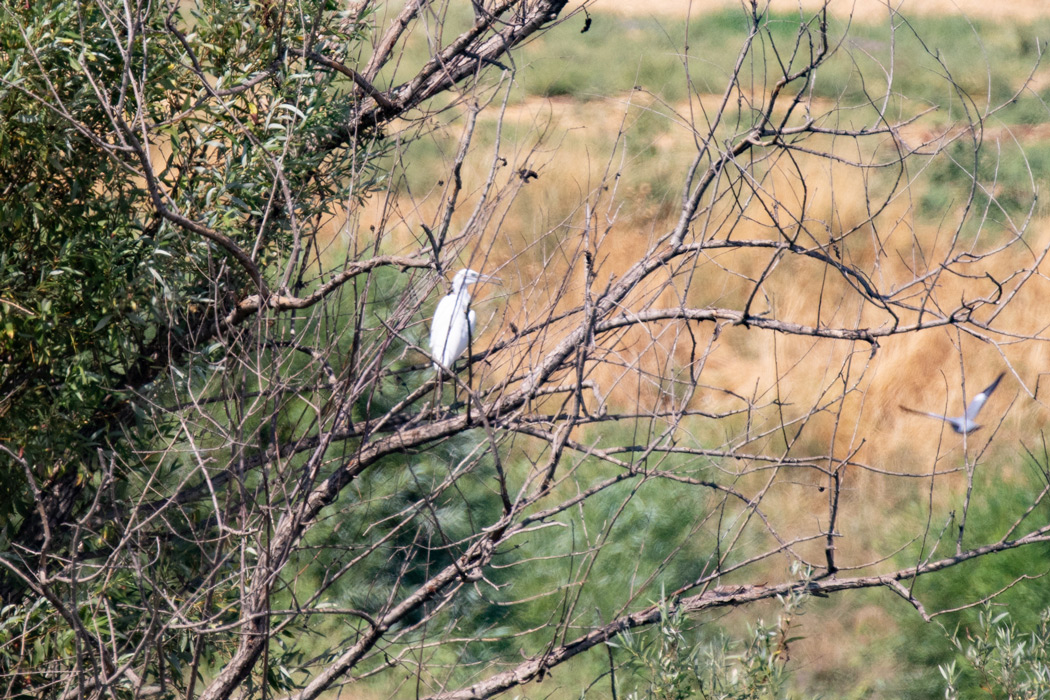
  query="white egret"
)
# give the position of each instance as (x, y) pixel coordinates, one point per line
(453, 323)
(966, 423)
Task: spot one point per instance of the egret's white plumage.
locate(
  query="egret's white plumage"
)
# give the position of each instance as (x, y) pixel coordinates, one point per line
(453, 322)
(966, 423)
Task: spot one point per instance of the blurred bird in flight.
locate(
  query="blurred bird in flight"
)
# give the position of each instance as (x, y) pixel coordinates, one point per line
(966, 423)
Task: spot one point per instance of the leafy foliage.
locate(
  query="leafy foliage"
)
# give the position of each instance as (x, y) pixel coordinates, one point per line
(1001, 660)
(671, 663)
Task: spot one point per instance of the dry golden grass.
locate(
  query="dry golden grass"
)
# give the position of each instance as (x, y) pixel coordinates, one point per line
(533, 246)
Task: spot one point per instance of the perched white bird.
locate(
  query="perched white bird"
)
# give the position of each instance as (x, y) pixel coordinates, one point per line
(966, 423)
(454, 320)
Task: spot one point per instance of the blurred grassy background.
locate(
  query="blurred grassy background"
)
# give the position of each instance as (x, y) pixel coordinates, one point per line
(622, 98)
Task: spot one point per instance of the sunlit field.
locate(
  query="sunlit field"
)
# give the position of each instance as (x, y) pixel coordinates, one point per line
(614, 100)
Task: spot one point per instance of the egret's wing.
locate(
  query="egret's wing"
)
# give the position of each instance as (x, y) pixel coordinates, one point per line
(458, 337)
(440, 329)
(978, 401)
(470, 320)
(938, 416)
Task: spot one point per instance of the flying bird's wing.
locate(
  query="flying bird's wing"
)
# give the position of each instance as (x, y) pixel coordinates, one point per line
(978, 401)
(924, 413)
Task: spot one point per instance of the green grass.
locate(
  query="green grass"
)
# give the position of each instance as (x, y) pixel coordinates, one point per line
(1008, 172)
(605, 65)
(997, 504)
(988, 61)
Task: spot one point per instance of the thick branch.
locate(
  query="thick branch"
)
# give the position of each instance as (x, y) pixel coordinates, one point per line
(718, 597)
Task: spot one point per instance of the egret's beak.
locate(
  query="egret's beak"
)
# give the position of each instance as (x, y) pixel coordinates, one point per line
(479, 278)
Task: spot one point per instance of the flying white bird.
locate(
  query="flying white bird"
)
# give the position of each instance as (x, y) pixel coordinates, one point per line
(453, 323)
(967, 423)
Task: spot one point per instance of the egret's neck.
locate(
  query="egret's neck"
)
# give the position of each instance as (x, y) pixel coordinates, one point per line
(460, 291)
